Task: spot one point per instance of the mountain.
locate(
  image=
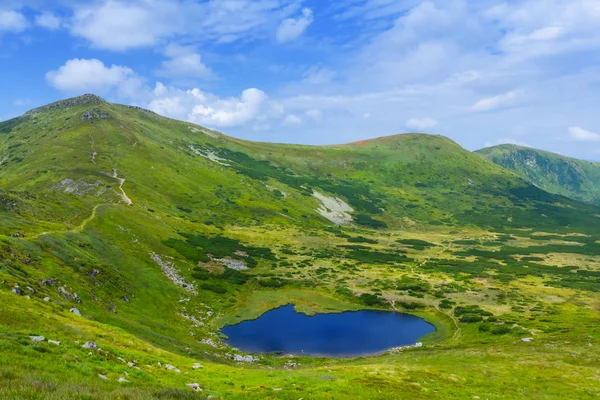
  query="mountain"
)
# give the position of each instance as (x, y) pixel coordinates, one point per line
(132, 239)
(570, 177)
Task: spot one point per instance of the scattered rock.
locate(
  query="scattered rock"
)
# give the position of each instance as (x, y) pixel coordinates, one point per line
(94, 113)
(172, 368)
(197, 366)
(56, 342)
(131, 364)
(195, 387)
(527, 339)
(247, 359)
(171, 272)
(277, 389)
(75, 311)
(209, 342)
(237, 265)
(16, 290)
(90, 345)
(102, 377)
(123, 380)
(125, 299)
(30, 289)
(334, 209)
(49, 282)
(48, 299)
(37, 338)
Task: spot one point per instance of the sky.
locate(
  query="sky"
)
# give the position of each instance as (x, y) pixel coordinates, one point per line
(481, 72)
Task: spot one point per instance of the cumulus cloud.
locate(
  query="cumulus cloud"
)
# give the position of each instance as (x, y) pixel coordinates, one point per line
(583, 135)
(184, 62)
(252, 107)
(82, 75)
(496, 102)
(292, 28)
(48, 21)
(12, 21)
(421, 124)
(118, 25)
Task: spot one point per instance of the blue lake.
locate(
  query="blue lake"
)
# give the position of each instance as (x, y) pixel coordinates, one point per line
(346, 334)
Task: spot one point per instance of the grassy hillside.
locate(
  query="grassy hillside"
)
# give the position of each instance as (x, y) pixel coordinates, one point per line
(570, 177)
(134, 220)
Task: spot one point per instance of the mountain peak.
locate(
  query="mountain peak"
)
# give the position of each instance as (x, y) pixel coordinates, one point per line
(71, 102)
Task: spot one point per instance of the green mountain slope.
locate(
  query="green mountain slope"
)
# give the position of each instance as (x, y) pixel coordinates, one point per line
(570, 177)
(159, 232)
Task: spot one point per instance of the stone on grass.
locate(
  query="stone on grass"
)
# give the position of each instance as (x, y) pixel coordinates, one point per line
(90, 345)
(102, 377)
(75, 311)
(47, 299)
(123, 380)
(16, 290)
(56, 342)
(37, 338)
(195, 387)
(172, 368)
(527, 339)
(197, 366)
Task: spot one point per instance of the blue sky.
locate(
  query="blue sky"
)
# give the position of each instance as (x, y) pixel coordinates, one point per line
(480, 72)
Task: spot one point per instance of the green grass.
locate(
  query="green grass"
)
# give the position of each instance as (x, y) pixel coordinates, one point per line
(463, 239)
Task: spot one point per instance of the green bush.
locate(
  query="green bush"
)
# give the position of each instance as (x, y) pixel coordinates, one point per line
(468, 318)
(501, 330)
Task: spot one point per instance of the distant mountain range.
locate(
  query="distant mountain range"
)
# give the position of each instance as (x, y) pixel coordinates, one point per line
(554, 173)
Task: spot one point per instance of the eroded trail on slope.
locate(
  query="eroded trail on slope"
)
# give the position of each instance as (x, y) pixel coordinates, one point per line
(78, 229)
(124, 196)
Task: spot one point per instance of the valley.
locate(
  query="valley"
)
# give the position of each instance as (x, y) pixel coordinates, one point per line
(162, 232)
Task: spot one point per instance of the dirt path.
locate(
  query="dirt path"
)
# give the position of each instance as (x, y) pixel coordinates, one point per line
(124, 196)
(94, 153)
(456, 324)
(77, 229)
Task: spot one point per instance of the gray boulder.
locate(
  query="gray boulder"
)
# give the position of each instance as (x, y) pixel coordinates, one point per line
(37, 338)
(90, 345)
(75, 311)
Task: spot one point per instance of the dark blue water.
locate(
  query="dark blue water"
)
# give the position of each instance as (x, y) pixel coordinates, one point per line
(332, 335)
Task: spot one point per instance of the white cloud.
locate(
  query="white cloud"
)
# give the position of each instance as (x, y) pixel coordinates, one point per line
(184, 62)
(292, 119)
(318, 76)
(48, 21)
(253, 108)
(82, 75)
(496, 102)
(314, 114)
(421, 124)
(292, 28)
(121, 25)
(583, 135)
(12, 21)
(118, 25)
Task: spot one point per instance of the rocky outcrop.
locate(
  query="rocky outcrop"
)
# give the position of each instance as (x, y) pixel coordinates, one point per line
(68, 103)
(94, 113)
(90, 345)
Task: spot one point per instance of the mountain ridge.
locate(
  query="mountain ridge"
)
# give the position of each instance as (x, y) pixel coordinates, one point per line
(556, 173)
(131, 239)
